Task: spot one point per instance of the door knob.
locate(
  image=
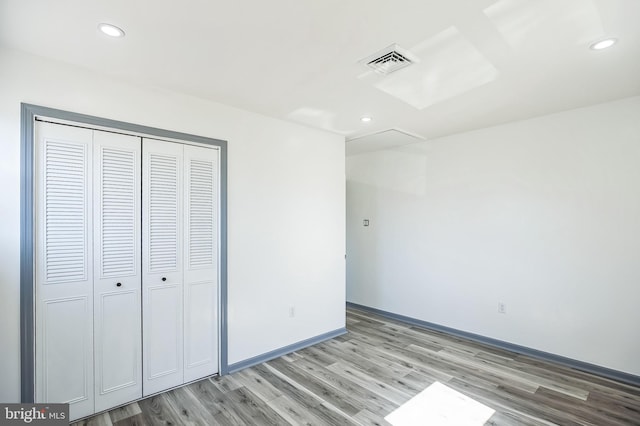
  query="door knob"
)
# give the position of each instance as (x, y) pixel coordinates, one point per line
(118, 284)
(164, 278)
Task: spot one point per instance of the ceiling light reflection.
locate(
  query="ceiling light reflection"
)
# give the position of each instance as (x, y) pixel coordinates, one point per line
(603, 44)
(111, 30)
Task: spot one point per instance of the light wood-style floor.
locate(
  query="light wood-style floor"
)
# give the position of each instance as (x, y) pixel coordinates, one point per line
(359, 378)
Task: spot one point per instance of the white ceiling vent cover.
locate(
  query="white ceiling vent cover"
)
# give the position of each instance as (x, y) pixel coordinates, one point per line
(390, 59)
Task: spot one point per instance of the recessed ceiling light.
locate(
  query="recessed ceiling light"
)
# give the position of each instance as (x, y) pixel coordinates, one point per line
(111, 30)
(603, 44)
(366, 119)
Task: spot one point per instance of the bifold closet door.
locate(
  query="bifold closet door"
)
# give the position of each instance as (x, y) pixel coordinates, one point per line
(64, 267)
(117, 275)
(200, 262)
(162, 277)
(88, 334)
(180, 263)
(126, 266)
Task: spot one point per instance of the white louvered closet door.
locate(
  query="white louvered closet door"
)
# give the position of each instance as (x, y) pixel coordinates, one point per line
(126, 266)
(64, 267)
(117, 271)
(162, 277)
(200, 262)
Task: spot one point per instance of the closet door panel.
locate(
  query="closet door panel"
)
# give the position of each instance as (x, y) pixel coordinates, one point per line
(63, 267)
(201, 340)
(164, 320)
(162, 278)
(119, 344)
(66, 369)
(201, 262)
(117, 273)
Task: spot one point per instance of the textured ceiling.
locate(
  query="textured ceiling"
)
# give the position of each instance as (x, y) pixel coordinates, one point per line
(480, 62)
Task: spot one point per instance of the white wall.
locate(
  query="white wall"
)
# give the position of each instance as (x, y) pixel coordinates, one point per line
(286, 204)
(543, 215)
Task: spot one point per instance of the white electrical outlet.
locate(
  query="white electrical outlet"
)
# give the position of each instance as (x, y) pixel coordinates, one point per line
(502, 308)
(292, 311)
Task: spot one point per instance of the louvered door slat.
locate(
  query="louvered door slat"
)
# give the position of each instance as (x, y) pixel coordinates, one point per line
(65, 210)
(118, 212)
(163, 212)
(201, 213)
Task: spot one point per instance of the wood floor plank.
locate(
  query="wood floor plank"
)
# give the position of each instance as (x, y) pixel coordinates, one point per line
(515, 374)
(522, 401)
(567, 372)
(156, 411)
(362, 376)
(615, 403)
(487, 396)
(431, 364)
(374, 402)
(205, 392)
(508, 419)
(367, 418)
(457, 366)
(327, 392)
(581, 409)
(366, 318)
(295, 413)
(252, 380)
(102, 419)
(225, 412)
(189, 408)
(351, 321)
(251, 409)
(318, 355)
(373, 384)
(136, 420)
(331, 415)
(524, 380)
(397, 361)
(494, 357)
(384, 334)
(124, 412)
(280, 381)
(357, 353)
(225, 383)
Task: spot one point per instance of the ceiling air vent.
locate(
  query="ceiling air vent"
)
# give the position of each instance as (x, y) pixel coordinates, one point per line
(389, 59)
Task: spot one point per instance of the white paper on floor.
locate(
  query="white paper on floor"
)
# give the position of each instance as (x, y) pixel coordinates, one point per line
(439, 405)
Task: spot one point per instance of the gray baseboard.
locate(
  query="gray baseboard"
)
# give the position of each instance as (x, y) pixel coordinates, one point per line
(232, 368)
(608, 373)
